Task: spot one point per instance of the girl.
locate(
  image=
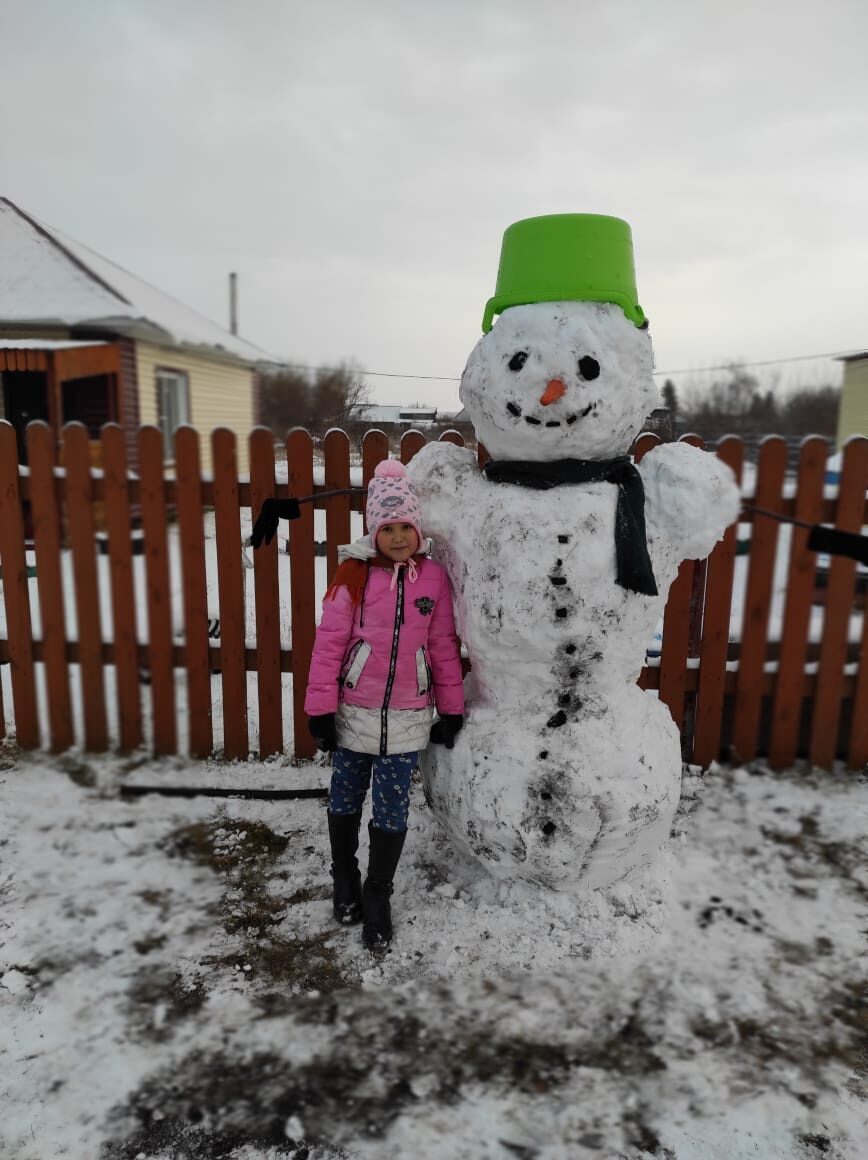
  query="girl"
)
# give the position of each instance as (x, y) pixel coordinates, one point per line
(385, 654)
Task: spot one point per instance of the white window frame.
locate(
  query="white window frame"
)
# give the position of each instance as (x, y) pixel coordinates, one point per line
(173, 405)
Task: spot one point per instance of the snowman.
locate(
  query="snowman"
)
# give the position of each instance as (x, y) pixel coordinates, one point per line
(561, 552)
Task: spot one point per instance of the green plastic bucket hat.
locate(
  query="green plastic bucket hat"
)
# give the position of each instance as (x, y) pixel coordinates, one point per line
(578, 257)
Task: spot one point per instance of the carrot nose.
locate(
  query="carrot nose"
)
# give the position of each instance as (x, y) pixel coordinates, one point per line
(554, 391)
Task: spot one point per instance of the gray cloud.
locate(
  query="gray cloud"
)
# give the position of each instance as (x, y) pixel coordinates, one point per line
(357, 162)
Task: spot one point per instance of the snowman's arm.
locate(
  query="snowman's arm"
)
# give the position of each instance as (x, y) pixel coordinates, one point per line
(448, 482)
(691, 498)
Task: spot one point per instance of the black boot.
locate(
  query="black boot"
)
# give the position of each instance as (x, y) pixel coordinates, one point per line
(385, 853)
(344, 837)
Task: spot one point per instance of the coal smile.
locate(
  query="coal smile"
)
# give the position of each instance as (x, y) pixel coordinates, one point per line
(515, 410)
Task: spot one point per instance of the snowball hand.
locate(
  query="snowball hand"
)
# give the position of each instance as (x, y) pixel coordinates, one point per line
(270, 513)
(444, 731)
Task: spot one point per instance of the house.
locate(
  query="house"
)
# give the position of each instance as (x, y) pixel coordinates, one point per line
(377, 414)
(83, 339)
(853, 409)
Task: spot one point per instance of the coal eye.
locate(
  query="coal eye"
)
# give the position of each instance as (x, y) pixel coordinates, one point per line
(589, 368)
(518, 360)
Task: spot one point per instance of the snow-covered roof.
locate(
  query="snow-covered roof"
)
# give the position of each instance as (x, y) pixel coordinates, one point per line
(49, 281)
(46, 343)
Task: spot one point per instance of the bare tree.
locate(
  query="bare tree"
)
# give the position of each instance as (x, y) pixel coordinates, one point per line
(315, 399)
(735, 405)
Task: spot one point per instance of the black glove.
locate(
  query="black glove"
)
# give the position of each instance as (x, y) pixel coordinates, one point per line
(270, 513)
(444, 731)
(324, 731)
(837, 543)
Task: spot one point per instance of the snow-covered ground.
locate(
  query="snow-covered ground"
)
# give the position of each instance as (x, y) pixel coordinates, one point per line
(173, 986)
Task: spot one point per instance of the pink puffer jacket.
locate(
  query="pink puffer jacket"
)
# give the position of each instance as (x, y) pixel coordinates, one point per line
(396, 654)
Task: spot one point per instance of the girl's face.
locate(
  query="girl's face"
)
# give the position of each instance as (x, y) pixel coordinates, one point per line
(397, 541)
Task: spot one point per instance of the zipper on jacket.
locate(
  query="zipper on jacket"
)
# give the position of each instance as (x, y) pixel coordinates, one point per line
(393, 664)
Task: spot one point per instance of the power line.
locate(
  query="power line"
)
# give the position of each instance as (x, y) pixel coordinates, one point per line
(770, 362)
(681, 371)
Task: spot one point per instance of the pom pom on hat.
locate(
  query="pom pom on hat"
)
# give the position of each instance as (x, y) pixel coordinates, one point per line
(391, 499)
(390, 469)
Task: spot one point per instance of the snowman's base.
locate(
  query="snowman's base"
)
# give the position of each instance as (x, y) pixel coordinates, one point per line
(516, 926)
(569, 809)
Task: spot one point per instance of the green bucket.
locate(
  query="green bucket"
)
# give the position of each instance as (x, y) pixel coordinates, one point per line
(577, 257)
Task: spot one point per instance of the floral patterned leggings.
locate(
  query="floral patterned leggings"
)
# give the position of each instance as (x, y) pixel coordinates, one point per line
(351, 776)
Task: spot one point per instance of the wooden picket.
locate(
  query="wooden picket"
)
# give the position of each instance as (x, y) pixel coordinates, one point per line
(739, 699)
(230, 583)
(159, 598)
(299, 460)
(789, 692)
(17, 600)
(375, 448)
(268, 677)
(675, 647)
(123, 597)
(82, 542)
(771, 469)
(411, 442)
(45, 517)
(828, 693)
(197, 658)
(714, 644)
(857, 749)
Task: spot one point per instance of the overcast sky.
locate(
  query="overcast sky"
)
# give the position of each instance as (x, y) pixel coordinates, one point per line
(356, 161)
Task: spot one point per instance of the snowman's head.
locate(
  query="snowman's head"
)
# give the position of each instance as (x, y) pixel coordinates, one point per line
(560, 380)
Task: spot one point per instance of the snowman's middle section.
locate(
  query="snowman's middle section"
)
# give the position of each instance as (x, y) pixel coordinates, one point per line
(539, 591)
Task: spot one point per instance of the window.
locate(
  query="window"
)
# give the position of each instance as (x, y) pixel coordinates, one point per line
(173, 406)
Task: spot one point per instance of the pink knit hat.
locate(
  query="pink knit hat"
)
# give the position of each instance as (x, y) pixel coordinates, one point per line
(391, 499)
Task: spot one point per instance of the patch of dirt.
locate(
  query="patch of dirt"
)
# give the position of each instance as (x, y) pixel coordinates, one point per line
(78, 770)
(307, 963)
(807, 844)
(158, 998)
(381, 1061)
(247, 856)
(226, 844)
(839, 1035)
(182, 1140)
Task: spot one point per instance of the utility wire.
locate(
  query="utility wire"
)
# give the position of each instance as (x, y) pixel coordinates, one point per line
(681, 370)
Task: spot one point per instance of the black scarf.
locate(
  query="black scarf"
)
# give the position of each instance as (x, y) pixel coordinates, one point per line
(634, 569)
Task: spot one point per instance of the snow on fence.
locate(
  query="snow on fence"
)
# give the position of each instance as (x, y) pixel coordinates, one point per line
(749, 664)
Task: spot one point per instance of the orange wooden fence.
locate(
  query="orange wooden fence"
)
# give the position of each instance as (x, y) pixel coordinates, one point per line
(735, 695)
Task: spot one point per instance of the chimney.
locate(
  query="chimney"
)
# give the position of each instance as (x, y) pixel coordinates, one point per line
(233, 303)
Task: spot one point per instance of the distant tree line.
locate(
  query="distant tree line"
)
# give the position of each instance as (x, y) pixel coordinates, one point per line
(735, 404)
(315, 399)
